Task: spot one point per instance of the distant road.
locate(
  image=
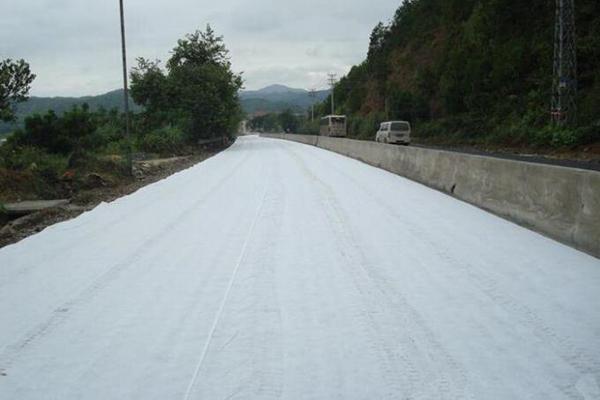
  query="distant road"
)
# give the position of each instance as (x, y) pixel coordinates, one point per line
(276, 270)
(533, 158)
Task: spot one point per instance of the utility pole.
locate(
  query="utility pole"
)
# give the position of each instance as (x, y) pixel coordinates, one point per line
(332, 81)
(313, 95)
(126, 91)
(564, 82)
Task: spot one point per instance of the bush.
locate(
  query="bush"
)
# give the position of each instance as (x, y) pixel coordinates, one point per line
(107, 133)
(364, 127)
(166, 141)
(34, 159)
(309, 127)
(427, 130)
(58, 135)
(114, 148)
(566, 137)
(30, 173)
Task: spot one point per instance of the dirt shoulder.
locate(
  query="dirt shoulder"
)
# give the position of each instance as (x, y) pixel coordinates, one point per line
(100, 190)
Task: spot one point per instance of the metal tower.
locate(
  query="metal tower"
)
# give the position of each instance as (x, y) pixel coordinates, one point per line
(564, 83)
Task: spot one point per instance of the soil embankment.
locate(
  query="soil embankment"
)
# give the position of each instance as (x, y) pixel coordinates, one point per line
(99, 188)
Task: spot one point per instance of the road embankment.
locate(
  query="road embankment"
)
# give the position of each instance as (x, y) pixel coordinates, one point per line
(23, 219)
(561, 203)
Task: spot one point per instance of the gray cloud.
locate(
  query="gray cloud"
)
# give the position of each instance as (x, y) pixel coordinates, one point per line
(73, 45)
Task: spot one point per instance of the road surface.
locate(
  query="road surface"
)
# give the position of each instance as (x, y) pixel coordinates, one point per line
(276, 270)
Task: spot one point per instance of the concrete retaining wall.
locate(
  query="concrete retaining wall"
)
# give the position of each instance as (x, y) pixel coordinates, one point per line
(561, 203)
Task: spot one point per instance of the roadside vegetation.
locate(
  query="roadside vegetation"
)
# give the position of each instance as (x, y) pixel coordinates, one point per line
(195, 97)
(472, 72)
(286, 121)
(56, 155)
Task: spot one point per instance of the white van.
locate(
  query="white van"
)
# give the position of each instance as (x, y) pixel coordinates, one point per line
(397, 132)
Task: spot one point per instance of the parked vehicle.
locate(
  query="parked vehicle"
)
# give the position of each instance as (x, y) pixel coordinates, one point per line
(333, 125)
(396, 132)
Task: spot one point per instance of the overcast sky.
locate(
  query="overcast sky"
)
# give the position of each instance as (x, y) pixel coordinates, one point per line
(73, 45)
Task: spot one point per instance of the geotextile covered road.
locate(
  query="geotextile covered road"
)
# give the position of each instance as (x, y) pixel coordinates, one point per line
(276, 270)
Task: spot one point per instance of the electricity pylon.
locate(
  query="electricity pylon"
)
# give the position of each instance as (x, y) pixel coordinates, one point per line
(564, 83)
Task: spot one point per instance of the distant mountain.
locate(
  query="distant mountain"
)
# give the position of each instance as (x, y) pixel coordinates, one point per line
(277, 98)
(273, 98)
(252, 106)
(110, 100)
(277, 89)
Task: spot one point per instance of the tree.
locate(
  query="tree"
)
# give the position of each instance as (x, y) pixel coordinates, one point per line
(266, 123)
(207, 95)
(73, 131)
(206, 88)
(15, 83)
(200, 48)
(149, 85)
(288, 121)
(377, 39)
(198, 91)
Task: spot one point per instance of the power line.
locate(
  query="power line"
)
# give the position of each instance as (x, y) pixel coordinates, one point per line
(564, 82)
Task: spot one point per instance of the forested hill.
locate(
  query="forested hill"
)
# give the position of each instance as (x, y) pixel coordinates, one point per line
(278, 98)
(473, 70)
(40, 105)
(274, 98)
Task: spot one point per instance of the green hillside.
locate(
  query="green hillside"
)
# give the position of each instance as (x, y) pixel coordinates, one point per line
(472, 71)
(272, 99)
(258, 105)
(110, 100)
(278, 98)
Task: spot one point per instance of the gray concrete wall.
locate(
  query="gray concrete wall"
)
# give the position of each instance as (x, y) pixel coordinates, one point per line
(561, 203)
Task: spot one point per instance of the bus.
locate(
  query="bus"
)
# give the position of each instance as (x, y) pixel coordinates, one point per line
(333, 125)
